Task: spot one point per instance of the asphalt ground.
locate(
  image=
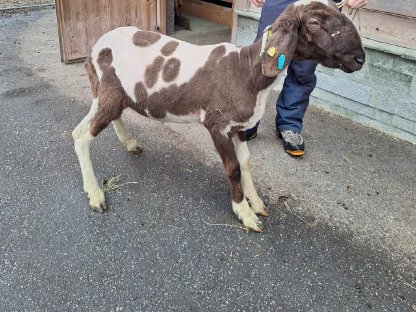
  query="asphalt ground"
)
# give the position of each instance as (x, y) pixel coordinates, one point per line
(170, 241)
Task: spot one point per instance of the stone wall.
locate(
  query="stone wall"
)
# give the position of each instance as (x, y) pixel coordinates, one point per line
(382, 95)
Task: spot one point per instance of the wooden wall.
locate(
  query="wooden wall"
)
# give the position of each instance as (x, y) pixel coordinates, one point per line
(82, 22)
(401, 7)
(209, 11)
(388, 21)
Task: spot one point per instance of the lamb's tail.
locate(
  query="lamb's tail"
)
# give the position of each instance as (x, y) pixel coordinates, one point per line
(92, 75)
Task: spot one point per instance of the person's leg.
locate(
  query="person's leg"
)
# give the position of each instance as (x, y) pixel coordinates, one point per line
(270, 11)
(294, 97)
(293, 102)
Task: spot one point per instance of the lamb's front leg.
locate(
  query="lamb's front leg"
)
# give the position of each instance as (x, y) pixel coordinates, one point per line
(243, 156)
(240, 205)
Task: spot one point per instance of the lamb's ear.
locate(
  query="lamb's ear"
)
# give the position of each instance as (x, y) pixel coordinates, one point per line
(282, 43)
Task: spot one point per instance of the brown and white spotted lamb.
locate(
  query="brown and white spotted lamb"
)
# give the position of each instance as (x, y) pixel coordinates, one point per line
(220, 86)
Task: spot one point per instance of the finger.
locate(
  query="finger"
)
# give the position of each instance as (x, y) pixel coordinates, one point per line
(257, 3)
(355, 4)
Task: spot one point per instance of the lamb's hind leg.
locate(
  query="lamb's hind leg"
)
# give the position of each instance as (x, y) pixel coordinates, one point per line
(82, 139)
(125, 137)
(243, 156)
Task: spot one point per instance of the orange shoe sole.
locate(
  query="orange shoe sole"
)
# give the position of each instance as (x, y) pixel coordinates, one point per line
(295, 153)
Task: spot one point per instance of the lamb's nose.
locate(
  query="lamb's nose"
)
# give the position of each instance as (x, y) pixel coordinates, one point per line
(359, 60)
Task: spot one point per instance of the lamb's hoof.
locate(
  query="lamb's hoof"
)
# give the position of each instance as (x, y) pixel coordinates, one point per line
(247, 216)
(97, 200)
(133, 147)
(259, 208)
(258, 227)
(100, 209)
(252, 222)
(263, 213)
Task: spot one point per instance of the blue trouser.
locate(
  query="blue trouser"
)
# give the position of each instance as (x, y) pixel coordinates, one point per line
(300, 80)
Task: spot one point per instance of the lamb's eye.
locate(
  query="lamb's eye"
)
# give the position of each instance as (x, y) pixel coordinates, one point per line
(314, 23)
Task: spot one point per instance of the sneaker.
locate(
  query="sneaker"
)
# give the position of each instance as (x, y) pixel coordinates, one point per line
(251, 134)
(292, 142)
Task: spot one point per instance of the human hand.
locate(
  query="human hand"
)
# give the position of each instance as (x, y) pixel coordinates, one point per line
(257, 3)
(355, 4)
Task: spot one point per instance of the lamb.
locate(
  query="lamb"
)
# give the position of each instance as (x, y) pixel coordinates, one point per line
(222, 87)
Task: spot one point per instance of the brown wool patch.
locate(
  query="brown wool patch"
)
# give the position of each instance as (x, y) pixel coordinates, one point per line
(112, 99)
(171, 69)
(169, 48)
(152, 71)
(141, 95)
(160, 102)
(216, 54)
(145, 38)
(105, 58)
(158, 111)
(140, 92)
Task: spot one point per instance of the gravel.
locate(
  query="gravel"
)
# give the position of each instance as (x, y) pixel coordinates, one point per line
(11, 4)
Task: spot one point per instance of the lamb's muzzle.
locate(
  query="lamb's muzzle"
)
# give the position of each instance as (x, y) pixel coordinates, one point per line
(221, 86)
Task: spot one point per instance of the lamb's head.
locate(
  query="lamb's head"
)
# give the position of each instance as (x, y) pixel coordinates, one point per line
(313, 30)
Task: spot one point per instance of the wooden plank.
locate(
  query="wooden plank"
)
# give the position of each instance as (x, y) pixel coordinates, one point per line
(153, 15)
(241, 5)
(135, 13)
(162, 17)
(105, 15)
(93, 27)
(208, 11)
(402, 7)
(234, 28)
(144, 11)
(61, 29)
(387, 28)
(80, 25)
(74, 36)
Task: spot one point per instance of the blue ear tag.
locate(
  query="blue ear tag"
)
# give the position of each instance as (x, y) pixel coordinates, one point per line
(281, 62)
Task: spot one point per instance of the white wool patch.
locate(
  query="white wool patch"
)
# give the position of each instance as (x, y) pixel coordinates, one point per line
(243, 156)
(305, 2)
(191, 118)
(246, 215)
(202, 115)
(84, 125)
(130, 61)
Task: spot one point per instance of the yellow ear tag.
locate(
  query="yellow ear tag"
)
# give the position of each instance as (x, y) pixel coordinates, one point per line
(269, 33)
(271, 52)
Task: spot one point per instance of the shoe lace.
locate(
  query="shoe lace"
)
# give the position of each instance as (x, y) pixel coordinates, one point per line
(292, 136)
